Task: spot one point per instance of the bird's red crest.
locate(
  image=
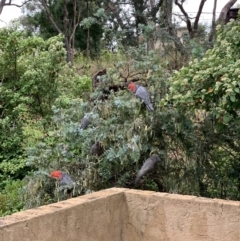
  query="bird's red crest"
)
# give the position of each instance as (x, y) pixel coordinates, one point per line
(132, 87)
(56, 174)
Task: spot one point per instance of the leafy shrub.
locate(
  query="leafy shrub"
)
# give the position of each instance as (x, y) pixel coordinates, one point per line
(119, 121)
(207, 92)
(10, 198)
(35, 75)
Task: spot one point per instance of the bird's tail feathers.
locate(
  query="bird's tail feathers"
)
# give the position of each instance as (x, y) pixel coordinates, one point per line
(136, 180)
(150, 107)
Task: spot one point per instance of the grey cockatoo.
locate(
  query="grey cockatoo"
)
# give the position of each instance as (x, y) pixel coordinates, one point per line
(147, 166)
(85, 122)
(64, 180)
(96, 149)
(142, 93)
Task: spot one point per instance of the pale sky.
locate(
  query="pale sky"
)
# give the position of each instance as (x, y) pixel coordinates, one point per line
(11, 12)
(191, 7)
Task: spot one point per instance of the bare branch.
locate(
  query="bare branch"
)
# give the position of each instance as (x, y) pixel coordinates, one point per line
(195, 25)
(182, 17)
(3, 4)
(49, 15)
(188, 22)
(76, 20)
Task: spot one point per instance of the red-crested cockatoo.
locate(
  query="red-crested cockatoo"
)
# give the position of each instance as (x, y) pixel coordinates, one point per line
(142, 93)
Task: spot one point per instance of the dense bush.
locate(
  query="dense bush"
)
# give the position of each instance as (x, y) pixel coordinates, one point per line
(10, 197)
(207, 92)
(119, 122)
(34, 76)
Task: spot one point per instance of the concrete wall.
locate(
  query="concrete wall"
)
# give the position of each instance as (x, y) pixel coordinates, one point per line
(118, 214)
(95, 217)
(170, 217)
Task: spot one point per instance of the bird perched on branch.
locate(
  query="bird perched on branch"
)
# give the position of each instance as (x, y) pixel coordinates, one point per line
(65, 181)
(142, 93)
(147, 166)
(85, 122)
(96, 149)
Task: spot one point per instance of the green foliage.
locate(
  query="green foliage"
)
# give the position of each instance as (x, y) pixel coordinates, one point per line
(194, 151)
(212, 83)
(10, 201)
(12, 108)
(120, 122)
(34, 77)
(36, 21)
(43, 65)
(78, 87)
(207, 93)
(194, 126)
(39, 190)
(87, 22)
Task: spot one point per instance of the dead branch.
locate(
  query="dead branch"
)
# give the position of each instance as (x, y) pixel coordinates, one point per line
(3, 4)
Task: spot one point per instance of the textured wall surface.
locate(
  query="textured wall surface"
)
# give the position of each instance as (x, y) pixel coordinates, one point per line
(94, 217)
(119, 214)
(170, 217)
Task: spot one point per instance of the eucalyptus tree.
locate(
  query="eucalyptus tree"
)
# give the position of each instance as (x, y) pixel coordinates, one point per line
(63, 17)
(126, 20)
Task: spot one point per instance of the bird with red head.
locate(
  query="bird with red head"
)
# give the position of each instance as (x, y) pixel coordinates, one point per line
(63, 178)
(132, 87)
(142, 93)
(56, 175)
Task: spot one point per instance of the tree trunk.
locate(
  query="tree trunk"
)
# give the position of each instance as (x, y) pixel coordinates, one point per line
(191, 30)
(88, 34)
(9, 3)
(68, 30)
(167, 18)
(224, 11)
(187, 19)
(150, 41)
(195, 25)
(2, 4)
(112, 8)
(76, 20)
(213, 29)
(65, 31)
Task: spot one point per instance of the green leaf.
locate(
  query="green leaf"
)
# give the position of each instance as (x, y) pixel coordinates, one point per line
(233, 98)
(226, 118)
(237, 90)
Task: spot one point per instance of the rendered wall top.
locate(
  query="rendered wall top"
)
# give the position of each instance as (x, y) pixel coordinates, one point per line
(119, 214)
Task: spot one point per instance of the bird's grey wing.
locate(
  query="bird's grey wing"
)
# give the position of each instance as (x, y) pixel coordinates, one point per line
(146, 167)
(66, 180)
(143, 94)
(96, 149)
(84, 122)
